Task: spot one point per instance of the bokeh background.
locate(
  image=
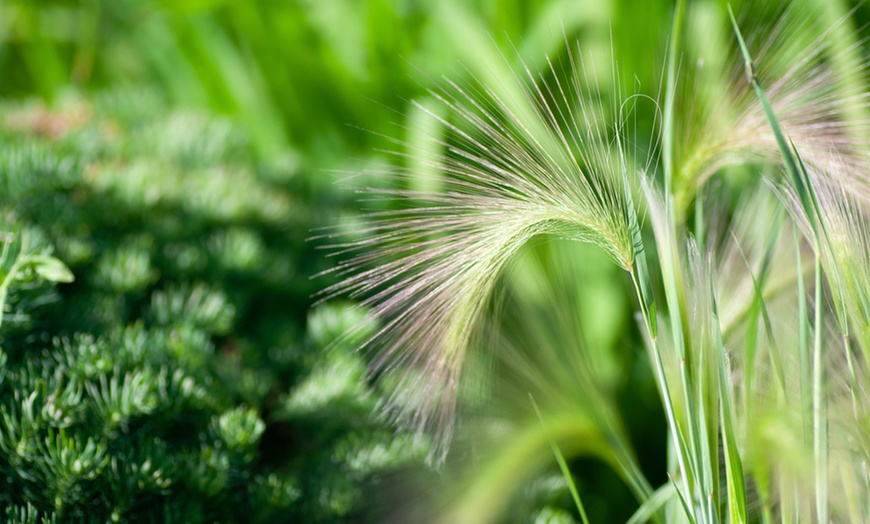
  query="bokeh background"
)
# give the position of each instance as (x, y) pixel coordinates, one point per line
(182, 157)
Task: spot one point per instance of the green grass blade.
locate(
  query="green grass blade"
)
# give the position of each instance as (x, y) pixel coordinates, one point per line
(670, 94)
(679, 443)
(689, 513)
(737, 505)
(673, 281)
(803, 341)
(820, 419)
(563, 466)
(648, 509)
(700, 232)
(792, 166)
(759, 309)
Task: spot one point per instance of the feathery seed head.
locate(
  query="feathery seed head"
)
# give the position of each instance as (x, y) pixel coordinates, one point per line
(814, 88)
(544, 164)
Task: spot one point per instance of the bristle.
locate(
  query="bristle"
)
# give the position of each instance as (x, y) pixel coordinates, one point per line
(513, 170)
(746, 356)
(807, 95)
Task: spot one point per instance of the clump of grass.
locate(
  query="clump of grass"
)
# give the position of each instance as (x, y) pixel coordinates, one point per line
(757, 334)
(513, 170)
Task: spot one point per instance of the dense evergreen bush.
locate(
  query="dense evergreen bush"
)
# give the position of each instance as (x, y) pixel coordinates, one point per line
(154, 367)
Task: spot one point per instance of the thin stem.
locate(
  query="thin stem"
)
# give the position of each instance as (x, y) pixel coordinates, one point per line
(670, 95)
(820, 430)
(563, 466)
(664, 388)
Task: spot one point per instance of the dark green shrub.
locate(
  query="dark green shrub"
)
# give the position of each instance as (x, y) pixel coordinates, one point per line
(173, 379)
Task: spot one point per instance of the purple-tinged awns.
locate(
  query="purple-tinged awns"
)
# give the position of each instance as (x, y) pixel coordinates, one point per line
(543, 163)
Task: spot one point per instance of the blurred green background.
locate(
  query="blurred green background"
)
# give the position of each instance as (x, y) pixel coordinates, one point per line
(179, 156)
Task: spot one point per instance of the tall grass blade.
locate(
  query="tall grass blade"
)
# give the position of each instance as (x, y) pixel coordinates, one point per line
(735, 484)
(803, 344)
(670, 94)
(563, 467)
(820, 419)
(652, 505)
(689, 514)
(791, 164)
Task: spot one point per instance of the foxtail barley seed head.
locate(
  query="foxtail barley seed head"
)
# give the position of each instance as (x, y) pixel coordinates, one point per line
(541, 156)
(544, 164)
(803, 75)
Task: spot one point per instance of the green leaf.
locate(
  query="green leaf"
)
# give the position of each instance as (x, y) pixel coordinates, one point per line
(563, 466)
(648, 509)
(51, 269)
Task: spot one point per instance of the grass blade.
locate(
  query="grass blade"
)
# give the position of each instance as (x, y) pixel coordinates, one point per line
(648, 509)
(791, 164)
(820, 419)
(563, 466)
(733, 463)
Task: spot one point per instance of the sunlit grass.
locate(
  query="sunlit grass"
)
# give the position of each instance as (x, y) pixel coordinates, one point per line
(756, 333)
